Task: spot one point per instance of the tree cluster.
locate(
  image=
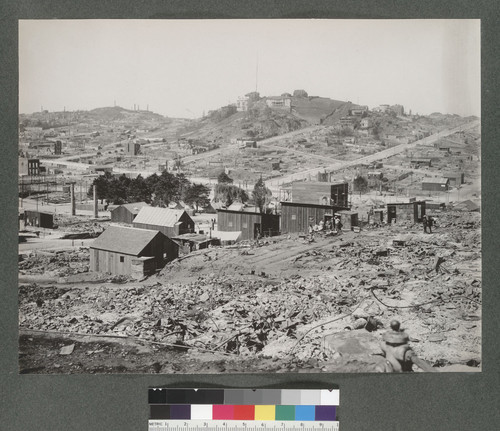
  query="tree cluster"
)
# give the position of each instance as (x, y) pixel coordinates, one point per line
(227, 193)
(261, 195)
(360, 184)
(158, 190)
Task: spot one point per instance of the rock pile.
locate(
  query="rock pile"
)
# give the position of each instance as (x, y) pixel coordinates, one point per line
(58, 263)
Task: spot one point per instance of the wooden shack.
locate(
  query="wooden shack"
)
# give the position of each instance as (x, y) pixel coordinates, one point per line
(455, 178)
(189, 242)
(250, 224)
(296, 217)
(170, 222)
(38, 219)
(120, 250)
(440, 184)
(349, 219)
(126, 213)
(405, 212)
(320, 193)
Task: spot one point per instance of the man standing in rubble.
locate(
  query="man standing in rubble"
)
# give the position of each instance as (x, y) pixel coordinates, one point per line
(430, 222)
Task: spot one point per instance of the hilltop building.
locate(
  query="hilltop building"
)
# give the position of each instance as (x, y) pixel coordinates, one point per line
(283, 103)
(245, 102)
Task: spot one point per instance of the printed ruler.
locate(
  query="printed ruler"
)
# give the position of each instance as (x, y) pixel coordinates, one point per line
(243, 409)
(216, 425)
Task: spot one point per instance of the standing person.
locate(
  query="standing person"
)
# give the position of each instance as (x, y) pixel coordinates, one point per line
(328, 225)
(424, 222)
(430, 222)
(311, 231)
(338, 224)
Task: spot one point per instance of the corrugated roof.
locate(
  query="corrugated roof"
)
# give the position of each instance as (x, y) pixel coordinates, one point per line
(126, 240)
(159, 216)
(435, 180)
(134, 207)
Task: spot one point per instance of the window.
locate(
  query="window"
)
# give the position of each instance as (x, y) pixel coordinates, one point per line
(230, 224)
(122, 259)
(245, 225)
(294, 216)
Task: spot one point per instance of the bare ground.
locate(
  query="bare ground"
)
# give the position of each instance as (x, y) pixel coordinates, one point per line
(281, 305)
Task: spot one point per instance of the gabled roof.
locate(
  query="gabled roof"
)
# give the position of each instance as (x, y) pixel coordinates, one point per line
(435, 180)
(166, 217)
(133, 207)
(126, 240)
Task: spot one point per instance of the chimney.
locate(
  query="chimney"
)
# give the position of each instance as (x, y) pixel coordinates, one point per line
(95, 202)
(73, 202)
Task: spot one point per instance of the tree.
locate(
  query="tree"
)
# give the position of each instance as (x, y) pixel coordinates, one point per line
(118, 189)
(198, 195)
(163, 188)
(261, 194)
(224, 178)
(228, 193)
(360, 184)
(102, 186)
(139, 191)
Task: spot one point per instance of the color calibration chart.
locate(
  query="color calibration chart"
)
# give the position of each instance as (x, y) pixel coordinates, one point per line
(243, 409)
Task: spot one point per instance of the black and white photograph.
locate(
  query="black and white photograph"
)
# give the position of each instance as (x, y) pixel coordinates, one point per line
(249, 196)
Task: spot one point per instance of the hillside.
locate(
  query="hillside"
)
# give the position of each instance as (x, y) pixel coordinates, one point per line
(316, 109)
(261, 121)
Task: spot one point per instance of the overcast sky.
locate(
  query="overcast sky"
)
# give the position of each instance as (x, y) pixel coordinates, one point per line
(181, 68)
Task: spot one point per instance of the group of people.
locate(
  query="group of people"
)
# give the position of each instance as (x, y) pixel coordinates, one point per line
(428, 222)
(327, 225)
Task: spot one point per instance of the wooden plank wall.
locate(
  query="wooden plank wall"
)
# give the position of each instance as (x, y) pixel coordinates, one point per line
(311, 192)
(237, 221)
(107, 261)
(122, 215)
(304, 216)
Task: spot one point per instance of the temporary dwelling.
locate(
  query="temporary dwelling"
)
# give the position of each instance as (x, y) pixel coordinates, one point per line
(171, 222)
(39, 219)
(297, 217)
(194, 241)
(126, 213)
(129, 251)
(250, 224)
(320, 193)
(406, 212)
(455, 178)
(349, 219)
(435, 184)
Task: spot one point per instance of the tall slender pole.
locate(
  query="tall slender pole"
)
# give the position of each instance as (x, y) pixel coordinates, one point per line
(95, 201)
(257, 73)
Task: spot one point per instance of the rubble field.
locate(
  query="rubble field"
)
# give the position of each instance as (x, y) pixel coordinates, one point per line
(281, 304)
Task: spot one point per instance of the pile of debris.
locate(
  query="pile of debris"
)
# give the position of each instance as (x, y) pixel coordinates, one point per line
(268, 300)
(54, 263)
(79, 224)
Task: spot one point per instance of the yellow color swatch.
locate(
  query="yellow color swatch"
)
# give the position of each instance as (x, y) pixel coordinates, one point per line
(265, 413)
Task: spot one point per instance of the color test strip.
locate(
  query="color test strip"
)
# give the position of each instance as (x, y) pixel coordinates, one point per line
(243, 412)
(315, 397)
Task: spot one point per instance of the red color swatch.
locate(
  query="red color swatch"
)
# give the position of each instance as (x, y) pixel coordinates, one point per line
(244, 413)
